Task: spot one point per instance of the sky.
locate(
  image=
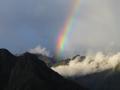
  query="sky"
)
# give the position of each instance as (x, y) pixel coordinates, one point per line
(25, 24)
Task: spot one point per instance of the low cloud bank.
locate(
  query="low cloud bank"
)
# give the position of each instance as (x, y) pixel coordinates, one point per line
(92, 64)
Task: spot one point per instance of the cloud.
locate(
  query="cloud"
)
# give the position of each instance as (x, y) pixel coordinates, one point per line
(92, 64)
(40, 50)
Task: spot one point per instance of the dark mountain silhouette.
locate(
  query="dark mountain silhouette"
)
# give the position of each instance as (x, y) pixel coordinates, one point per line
(50, 61)
(7, 62)
(93, 81)
(105, 80)
(27, 72)
(81, 57)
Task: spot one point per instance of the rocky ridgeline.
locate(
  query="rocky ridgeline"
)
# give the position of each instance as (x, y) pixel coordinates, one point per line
(27, 72)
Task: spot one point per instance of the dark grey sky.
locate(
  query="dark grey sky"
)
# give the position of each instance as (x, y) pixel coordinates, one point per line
(25, 24)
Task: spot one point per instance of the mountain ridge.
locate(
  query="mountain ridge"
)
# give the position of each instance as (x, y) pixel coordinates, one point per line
(27, 72)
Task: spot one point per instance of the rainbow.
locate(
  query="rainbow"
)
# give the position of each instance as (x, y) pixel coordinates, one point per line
(62, 37)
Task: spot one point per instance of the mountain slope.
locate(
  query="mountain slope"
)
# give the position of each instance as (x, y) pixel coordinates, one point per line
(27, 72)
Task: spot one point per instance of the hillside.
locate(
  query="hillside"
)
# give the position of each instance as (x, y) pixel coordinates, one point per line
(27, 72)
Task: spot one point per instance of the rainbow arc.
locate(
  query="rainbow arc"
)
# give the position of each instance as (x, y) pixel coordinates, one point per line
(63, 35)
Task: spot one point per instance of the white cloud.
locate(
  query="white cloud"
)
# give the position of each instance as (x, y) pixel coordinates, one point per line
(92, 64)
(40, 50)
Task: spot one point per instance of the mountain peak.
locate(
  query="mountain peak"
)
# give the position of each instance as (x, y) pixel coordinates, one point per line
(28, 72)
(5, 52)
(76, 56)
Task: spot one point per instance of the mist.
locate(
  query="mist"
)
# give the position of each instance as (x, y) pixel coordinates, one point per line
(95, 63)
(40, 50)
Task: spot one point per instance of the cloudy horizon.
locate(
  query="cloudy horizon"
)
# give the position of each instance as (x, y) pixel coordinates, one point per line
(26, 24)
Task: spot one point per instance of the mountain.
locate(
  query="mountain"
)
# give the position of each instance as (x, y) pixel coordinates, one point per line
(66, 61)
(50, 61)
(7, 62)
(27, 72)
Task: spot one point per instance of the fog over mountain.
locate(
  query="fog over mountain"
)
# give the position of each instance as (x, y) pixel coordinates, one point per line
(91, 64)
(97, 72)
(91, 72)
(40, 50)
